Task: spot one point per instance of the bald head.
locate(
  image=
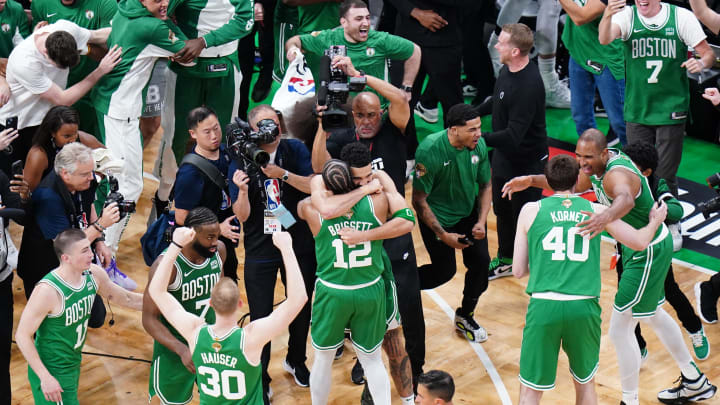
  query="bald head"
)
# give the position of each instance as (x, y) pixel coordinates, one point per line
(366, 99)
(595, 137)
(367, 114)
(225, 296)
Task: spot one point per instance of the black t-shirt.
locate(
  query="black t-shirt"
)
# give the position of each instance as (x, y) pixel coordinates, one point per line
(194, 189)
(293, 156)
(387, 149)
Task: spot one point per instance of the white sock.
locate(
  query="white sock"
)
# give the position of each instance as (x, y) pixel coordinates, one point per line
(546, 65)
(376, 375)
(669, 333)
(630, 398)
(408, 400)
(321, 376)
(622, 334)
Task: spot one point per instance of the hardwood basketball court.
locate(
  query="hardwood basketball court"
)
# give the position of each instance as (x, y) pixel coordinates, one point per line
(117, 371)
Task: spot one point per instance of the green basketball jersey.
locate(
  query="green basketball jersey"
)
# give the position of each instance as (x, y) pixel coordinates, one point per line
(90, 14)
(638, 217)
(584, 47)
(656, 86)
(14, 27)
(318, 17)
(60, 338)
(285, 13)
(224, 376)
(560, 260)
(346, 265)
(192, 286)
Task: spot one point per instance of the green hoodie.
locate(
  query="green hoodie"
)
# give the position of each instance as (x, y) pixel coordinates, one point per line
(143, 39)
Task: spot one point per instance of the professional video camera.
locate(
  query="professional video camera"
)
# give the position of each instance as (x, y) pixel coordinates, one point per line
(125, 206)
(712, 205)
(243, 143)
(334, 89)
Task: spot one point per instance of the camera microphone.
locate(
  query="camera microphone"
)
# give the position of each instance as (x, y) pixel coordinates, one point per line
(323, 79)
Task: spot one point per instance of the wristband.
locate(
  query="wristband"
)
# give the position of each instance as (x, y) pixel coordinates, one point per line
(176, 244)
(405, 213)
(99, 227)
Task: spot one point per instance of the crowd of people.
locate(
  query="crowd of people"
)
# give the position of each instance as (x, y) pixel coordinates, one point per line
(86, 84)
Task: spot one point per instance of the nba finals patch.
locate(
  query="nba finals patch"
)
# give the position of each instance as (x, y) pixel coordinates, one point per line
(370, 52)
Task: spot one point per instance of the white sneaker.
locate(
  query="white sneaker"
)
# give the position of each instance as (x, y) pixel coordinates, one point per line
(676, 233)
(429, 115)
(688, 390)
(557, 93)
(494, 54)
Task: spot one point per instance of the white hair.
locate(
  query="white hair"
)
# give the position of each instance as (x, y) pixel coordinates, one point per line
(70, 155)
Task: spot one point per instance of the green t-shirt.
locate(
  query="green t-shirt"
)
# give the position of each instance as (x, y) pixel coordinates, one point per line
(318, 17)
(60, 337)
(369, 56)
(14, 27)
(224, 375)
(346, 265)
(90, 14)
(587, 51)
(559, 259)
(450, 177)
(656, 86)
(285, 13)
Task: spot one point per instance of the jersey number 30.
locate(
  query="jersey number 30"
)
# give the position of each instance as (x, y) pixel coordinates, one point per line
(561, 249)
(218, 384)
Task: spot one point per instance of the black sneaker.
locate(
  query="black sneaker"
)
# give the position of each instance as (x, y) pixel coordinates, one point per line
(339, 352)
(688, 390)
(357, 375)
(262, 87)
(705, 302)
(366, 398)
(300, 372)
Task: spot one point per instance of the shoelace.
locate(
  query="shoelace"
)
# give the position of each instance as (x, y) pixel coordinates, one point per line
(697, 339)
(471, 321)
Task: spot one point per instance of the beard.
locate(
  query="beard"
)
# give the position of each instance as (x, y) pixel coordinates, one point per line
(202, 250)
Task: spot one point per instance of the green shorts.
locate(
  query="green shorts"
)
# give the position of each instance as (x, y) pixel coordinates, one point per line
(169, 379)
(642, 285)
(283, 32)
(549, 324)
(69, 379)
(361, 310)
(392, 313)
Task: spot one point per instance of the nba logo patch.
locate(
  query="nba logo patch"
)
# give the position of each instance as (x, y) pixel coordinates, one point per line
(301, 86)
(272, 190)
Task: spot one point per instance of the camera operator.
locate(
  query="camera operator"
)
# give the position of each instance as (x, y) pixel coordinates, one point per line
(64, 199)
(260, 195)
(195, 189)
(384, 135)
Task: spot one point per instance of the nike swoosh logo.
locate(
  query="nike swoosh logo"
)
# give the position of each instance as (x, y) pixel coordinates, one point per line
(187, 274)
(636, 257)
(637, 30)
(50, 15)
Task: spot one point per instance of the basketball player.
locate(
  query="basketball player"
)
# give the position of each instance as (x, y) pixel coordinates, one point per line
(619, 184)
(57, 313)
(564, 283)
(196, 271)
(351, 288)
(226, 357)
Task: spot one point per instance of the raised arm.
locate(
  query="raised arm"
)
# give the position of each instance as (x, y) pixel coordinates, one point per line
(184, 322)
(41, 303)
(607, 31)
(585, 14)
(113, 292)
(622, 186)
(706, 15)
(262, 330)
(331, 205)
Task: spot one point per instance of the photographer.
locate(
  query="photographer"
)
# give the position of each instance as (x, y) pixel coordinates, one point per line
(384, 135)
(259, 193)
(64, 199)
(195, 189)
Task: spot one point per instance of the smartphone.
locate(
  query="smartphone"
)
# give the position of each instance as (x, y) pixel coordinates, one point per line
(465, 240)
(11, 122)
(17, 168)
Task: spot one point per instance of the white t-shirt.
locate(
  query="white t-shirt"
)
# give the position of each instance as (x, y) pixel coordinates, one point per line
(688, 26)
(30, 73)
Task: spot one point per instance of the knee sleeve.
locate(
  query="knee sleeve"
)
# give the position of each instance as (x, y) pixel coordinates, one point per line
(377, 376)
(321, 376)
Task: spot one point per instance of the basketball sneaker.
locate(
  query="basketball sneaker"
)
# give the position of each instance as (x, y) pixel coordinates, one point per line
(700, 344)
(499, 267)
(643, 356)
(688, 390)
(339, 352)
(300, 372)
(557, 93)
(429, 115)
(119, 278)
(706, 302)
(676, 233)
(467, 326)
(469, 90)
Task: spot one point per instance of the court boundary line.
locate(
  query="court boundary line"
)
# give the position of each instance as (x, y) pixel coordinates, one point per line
(477, 347)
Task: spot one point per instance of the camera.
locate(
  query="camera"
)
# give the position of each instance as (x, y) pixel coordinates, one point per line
(242, 141)
(334, 88)
(124, 206)
(712, 205)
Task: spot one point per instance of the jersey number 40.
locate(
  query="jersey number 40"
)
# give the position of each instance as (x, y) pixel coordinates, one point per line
(562, 250)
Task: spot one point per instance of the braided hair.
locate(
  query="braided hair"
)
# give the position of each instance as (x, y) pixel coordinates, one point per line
(337, 177)
(200, 216)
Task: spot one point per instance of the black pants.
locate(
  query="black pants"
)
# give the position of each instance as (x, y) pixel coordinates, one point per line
(231, 262)
(476, 58)
(6, 323)
(17, 150)
(677, 299)
(260, 279)
(246, 55)
(405, 271)
(442, 65)
(507, 212)
(442, 257)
